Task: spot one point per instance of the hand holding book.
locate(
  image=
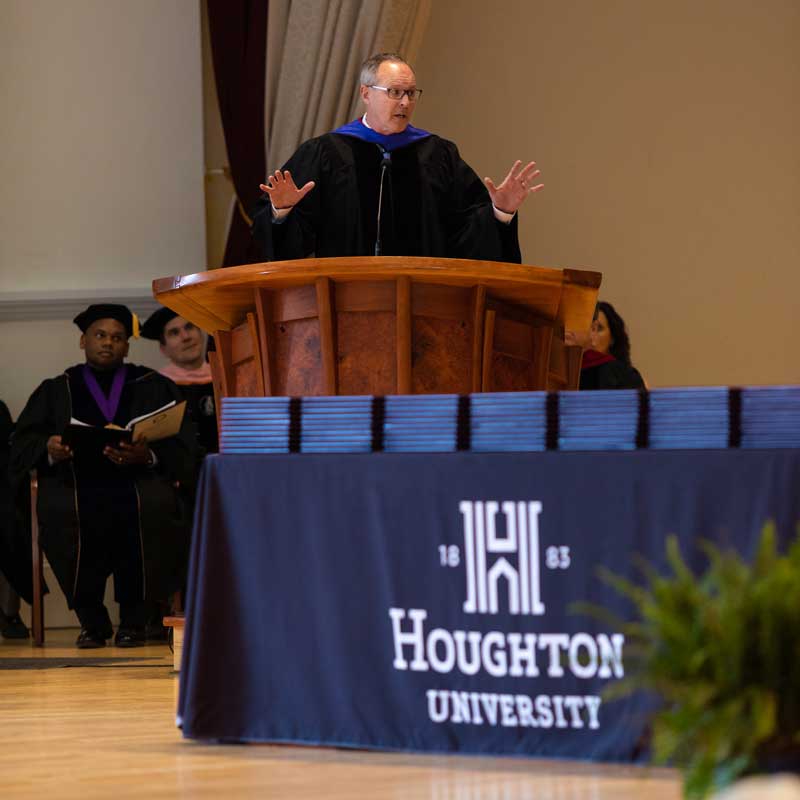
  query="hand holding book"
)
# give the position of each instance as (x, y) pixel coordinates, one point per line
(126, 445)
(130, 454)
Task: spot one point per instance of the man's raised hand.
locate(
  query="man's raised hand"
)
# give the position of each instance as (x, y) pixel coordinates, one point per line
(516, 186)
(283, 192)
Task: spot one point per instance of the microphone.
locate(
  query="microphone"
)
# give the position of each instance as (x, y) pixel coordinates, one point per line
(386, 164)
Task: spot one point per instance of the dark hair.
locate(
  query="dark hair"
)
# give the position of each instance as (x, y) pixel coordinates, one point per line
(369, 69)
(620, 344)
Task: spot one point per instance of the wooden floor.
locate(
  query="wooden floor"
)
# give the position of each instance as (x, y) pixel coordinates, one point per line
(108, 731)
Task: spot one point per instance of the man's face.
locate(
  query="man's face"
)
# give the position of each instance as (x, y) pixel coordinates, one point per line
(384, 114)
(183, 342)
(105, 343)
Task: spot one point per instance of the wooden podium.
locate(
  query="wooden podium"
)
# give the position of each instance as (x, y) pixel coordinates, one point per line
(386, 325)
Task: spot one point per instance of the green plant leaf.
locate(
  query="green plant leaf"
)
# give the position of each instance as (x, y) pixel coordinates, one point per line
(722, 649)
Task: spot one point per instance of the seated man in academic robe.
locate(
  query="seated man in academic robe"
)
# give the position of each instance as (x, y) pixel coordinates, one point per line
(119, 509)
(379, 186)
(183, 343)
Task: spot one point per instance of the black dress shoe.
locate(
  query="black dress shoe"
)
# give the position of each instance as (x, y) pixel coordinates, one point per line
(130, 637)
(14, 628)
(89, 639)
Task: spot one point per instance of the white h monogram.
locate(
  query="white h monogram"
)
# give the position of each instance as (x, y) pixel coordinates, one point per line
(522, 537)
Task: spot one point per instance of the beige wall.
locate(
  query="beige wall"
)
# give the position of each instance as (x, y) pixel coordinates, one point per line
(668, 134)
(101, 165)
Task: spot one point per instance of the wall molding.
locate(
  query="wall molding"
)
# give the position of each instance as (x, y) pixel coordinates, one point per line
(65, 304)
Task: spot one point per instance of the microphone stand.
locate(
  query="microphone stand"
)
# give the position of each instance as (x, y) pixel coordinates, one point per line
(386, 164)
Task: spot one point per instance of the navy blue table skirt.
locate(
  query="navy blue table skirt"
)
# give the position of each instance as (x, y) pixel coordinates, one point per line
(422, 602)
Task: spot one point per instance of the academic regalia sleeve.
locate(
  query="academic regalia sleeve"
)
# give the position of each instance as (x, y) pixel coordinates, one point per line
(36, 424)
(295, 235)
(472, 230)
(6, 426)
(262, 228)
(635, 379)
(15, 559)
(38, 421)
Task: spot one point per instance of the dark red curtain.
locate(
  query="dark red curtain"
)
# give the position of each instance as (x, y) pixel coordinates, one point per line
(238, 32)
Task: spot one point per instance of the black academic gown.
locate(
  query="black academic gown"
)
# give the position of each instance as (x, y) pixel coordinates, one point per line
(148, 498)
(611, 375)
(434, 205)
(15, 559)
(202, 411)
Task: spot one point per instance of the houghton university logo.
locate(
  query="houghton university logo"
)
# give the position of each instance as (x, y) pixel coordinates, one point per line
(509, 530)
(503, 561)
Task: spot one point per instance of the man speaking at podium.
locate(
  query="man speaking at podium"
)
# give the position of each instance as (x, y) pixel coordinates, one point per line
(379, 186)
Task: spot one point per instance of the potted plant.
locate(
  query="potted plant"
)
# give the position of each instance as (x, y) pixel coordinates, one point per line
(722, 650)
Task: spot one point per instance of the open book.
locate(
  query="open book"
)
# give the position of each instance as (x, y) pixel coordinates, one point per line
(159, 424)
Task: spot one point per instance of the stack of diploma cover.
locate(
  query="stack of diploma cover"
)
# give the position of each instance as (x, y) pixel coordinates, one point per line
(336, 425)
(689, 419)
(662, 419)
(598, 420)
(255, 425)
(508, 421)
(770, 416)
(420, 423)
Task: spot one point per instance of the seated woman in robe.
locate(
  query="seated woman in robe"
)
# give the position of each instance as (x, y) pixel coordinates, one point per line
(607, 359)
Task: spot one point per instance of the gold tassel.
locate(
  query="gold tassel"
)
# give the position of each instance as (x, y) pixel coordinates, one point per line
(135, 325)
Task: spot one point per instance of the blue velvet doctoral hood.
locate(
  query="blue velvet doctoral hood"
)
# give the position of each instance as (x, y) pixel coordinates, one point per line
(390, 142)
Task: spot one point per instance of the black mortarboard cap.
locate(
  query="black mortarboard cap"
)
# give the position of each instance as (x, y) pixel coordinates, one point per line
(120, 313)
(157, 321)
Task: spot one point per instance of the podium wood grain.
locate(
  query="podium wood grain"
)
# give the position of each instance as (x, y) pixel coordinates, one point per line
(387, 325)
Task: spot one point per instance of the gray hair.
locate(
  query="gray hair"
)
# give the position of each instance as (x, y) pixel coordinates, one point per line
(369, 69)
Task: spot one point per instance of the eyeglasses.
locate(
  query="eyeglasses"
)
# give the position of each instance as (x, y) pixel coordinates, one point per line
(397, 94)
